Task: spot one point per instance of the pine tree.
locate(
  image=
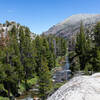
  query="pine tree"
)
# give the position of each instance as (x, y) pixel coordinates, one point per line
(16, 59)
(45, 47)
(97, 34)
(11, 76)
(11, 63)
(47, 53)
(2, 70)
(52, 55)
(38, 46)
(27, 54)
(96, 49)
(45, 83)
(63, 47)
(82, 47)
(96, 61)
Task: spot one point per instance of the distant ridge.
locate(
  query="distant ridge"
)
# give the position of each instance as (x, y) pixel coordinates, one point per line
(71, 25)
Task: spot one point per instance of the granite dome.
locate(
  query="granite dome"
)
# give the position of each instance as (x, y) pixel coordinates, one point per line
(79, 88)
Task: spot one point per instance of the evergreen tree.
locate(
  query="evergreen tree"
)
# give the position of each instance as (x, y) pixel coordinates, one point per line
(16, 59)
(27, 54)
(45, 83)
(38, 46)
(63, 47)
(2, 70)
(45, 47)
(47, 53)
(82, 47)
(11, 63)
(8, 64)
(97, 34)
(96, 49)
(96, 61)
(52, 57)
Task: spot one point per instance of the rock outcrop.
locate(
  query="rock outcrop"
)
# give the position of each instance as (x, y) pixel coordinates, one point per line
(79, 88)
(4, 28)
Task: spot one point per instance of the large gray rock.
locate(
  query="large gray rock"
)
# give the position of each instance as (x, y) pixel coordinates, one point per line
(71, 25)
(79, 88)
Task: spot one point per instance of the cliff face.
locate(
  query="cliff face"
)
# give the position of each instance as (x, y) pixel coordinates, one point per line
(71, 25)
(79, 88)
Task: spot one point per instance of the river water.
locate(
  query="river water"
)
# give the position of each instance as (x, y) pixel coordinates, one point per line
(28, 98)
(67, 65)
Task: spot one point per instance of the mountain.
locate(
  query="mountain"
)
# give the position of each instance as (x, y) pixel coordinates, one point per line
(70, 26)
(79, 88)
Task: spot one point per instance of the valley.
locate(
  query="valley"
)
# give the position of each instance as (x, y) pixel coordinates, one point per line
(55, 66)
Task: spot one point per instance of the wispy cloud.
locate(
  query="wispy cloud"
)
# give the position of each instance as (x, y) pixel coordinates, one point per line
(10, 11)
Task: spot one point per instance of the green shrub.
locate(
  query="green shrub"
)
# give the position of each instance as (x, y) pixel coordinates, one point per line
(88, 69)
(4, 98)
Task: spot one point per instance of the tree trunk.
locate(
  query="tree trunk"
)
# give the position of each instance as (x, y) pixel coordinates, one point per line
(26, 82)
(9, 93)
(26, 85)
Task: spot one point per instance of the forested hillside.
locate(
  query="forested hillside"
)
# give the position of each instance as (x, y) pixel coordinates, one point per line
(26, 62)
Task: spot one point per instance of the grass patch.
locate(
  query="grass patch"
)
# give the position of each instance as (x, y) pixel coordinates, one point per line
(30, 83)
(3, 98)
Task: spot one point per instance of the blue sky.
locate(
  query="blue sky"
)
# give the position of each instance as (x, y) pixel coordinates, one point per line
(39, 15)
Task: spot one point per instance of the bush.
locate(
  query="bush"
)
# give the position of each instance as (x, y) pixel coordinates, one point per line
(22, 87)
(32, 82)
(88, 69)
(75, 65)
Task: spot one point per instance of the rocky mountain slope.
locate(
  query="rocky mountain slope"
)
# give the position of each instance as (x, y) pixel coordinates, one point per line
(79, 88)
(70, 26)
(4, 28)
